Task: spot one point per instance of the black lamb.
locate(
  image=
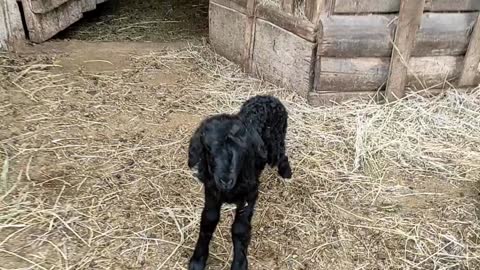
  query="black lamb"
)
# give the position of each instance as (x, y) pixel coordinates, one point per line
(230, 152)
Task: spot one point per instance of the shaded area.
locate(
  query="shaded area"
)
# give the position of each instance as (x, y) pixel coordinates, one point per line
(146, 20)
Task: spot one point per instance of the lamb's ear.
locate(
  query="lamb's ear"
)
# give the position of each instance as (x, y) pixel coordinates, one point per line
(195, 149)
(258, 144)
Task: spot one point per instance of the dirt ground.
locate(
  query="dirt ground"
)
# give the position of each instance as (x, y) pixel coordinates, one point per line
(94, 131)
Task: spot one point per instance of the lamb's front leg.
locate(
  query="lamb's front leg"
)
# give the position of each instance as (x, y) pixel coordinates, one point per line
(241, 233)
(208, 223)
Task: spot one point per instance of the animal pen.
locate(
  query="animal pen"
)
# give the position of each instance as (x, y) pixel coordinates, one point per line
(331, 50)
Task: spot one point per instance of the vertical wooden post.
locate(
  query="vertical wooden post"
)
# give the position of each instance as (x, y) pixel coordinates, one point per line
(409, 21)
(471, 66)
(288, 6)
(312, 10)
(249, 36)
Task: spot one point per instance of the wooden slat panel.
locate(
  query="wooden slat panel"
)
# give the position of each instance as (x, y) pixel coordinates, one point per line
(393, 6)
(249, 36)
(282, 57)
(332, 98)
(408, 23)
(370, 74)
(42, 27)
(350, 36)
(295, 25)
(371, 35)
(443, 34)
(44, 6)
(226, 32)
(471, 68)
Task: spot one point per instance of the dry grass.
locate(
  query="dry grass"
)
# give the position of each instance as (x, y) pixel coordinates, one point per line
(97, 175)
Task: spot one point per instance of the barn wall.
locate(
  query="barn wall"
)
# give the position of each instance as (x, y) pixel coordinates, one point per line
(339, 49)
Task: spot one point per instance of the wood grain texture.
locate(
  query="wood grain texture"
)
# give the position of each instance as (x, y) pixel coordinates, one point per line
(405, 34)
(89, 5)
(11, 28)
(282, 57)
(393, 6)
(295, 25)
(470, 75)
(333, 98)
(371, 35)
(42, 27)
(44, 6)
(238, 5)
(370, 74)
(288, 6)
(313, 9)
(227, 32)
(249, 36)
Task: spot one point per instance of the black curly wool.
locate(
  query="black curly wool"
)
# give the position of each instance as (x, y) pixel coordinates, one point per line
(230, 153)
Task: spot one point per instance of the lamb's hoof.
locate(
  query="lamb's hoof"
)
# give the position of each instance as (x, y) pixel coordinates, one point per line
(284, 169)
(196, 264)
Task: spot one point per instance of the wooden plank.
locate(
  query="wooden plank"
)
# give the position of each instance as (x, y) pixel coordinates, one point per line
(370, 36)
(443, 34)
(101, 1)
(370, 74)
(227, 31)
(282, 57)
(11, 27)
(238, 5)
(333, 98)
(471, 69)
(44, 6)
(288, 6)
(313, 9)
(89, 5)
(393, 6)
(295, 25)
(357, 36)
(249, 36)
(408, 23)
(42, 27)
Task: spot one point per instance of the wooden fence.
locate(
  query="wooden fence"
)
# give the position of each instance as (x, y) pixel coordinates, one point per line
(329, 50)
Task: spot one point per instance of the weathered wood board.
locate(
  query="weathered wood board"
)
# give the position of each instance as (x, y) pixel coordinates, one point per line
(44, 6)
(282, 57)
(227, 31)
(471, 68)
(42, 27)
(295, 25)
(237, 5)
(11, 28)
(332, 98)
(393, 6)
(372, 35)
(408, 24)
(89, 5)
(370, 74)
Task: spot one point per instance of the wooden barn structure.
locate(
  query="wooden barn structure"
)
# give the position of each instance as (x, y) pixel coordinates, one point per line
(329, 50)
(38, 20)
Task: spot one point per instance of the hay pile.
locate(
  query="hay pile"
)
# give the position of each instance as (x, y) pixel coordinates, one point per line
(94, 172)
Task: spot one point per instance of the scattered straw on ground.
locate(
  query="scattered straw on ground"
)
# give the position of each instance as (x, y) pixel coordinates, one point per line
(94, 172)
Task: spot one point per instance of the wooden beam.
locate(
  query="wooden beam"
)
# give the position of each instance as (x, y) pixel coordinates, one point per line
(288, 6)
(249, 35)
(471, 67)
(391, 6)
(409, 21)
(313, 9)
(300, 27)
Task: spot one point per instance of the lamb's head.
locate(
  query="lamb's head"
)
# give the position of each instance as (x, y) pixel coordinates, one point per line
(225, 145)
